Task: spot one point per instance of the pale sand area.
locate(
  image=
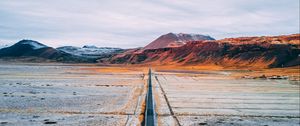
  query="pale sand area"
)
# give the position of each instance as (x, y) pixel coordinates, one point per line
(219, 99)
(64, 94)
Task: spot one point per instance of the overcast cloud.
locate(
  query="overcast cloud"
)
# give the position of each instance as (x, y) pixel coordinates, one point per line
(134, 23)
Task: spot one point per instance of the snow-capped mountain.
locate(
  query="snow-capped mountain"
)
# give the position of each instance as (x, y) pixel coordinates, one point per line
(175, 40)
(30, 43)
(26, 48)
(89, 51)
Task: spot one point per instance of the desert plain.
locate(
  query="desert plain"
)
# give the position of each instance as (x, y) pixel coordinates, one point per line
(88, 94)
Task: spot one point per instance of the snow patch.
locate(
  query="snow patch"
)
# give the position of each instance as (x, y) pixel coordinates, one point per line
(88, 51)
(4, 46)
(182, 37)
(34, 45)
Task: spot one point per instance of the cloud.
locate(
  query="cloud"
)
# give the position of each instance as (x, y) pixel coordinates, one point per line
(134, 23)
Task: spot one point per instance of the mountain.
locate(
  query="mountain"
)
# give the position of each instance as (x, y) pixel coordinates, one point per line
(175, 40)
(34, 49)
(24, 48)
(90, 51)
(259, 52)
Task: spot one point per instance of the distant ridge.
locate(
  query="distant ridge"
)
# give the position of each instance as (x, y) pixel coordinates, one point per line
(90, 51)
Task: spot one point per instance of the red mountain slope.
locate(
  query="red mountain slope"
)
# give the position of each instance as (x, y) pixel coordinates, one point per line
(275, 51)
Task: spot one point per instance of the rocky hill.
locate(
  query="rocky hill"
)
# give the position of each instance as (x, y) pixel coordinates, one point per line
(260, 52)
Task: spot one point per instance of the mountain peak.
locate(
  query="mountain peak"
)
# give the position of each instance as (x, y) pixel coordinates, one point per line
(170, 33)
(32, 43)
(90, 46)
(175, 40)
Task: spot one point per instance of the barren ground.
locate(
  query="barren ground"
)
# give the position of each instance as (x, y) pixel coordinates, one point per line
(36, 94)
(217, 98)
(66, 94)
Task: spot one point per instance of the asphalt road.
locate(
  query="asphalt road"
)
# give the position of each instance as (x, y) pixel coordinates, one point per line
(150, 119)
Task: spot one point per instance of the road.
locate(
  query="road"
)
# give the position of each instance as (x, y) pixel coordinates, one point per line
(150, 118)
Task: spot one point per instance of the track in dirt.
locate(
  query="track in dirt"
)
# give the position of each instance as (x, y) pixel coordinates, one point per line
(168, 103)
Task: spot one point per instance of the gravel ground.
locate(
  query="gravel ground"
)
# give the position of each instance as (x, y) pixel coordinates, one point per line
(220, 100)
(61, 95)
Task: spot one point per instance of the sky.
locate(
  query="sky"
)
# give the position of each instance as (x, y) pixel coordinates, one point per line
(135, 23)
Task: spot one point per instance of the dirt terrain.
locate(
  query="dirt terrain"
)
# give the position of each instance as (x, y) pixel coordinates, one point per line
(89, 94)
(214, 98)
(37, 94)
